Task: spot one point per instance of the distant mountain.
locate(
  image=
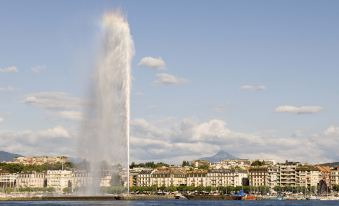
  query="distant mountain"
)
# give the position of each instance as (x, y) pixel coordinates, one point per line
(221, 155)
(331, 164)
(6, 156)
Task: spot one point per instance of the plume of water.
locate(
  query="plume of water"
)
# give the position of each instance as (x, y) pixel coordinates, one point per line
(104, 140)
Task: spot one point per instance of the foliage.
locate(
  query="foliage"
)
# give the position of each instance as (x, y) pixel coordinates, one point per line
(148, 165)
(335, 188)
(18, 168)
(113, 190)
(258, 163)
(203, 167)
(185, 163)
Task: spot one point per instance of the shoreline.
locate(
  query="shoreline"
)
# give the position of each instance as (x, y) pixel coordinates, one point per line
(89, 198)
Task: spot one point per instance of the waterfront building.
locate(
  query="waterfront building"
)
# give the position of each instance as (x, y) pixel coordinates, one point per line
(335, 176)
(144, 178)
(307, 176)
(8, 180)
(258, 176)
(169, 177)
(325, 174)
(80, 179)
(197, 178)
(226, 177)
(287, 175)
(32, 180)
(59, 179)
(272, 176)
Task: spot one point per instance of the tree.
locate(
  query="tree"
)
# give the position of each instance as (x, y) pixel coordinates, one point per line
(185, 163)
(257, 163)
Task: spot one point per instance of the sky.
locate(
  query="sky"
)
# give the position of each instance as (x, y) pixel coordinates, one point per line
(258, 79)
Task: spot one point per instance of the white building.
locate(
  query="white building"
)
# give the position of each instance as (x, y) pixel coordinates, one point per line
(197, 178)
(33, 180)
(168, 177)
(7, 180)
(144, 178)
(335, 176)
(59, 179)
(226, 177)
(307, 176)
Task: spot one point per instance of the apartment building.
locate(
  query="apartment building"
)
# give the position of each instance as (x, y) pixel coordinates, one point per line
(287, 175)
(33, 180)
(307, 176)
(226, 177)
(8, 180)
(197, 178)
(169, 177)
(335, 176)
(259, 176)
(59, 179)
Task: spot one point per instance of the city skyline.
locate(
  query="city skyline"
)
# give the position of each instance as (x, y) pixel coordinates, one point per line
(255, 79)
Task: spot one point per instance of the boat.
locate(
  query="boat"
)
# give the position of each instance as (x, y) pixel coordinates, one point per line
(179, 196)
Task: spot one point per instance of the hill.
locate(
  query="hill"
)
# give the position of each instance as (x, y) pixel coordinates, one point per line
(331, 164)
(219, 156)
(7, 156)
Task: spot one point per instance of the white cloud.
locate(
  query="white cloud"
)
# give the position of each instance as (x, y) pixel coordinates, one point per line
(168, 79)
(1, 120)
(10, 69)
(253, 87)
(53, 101)
(52, 141)
(71, 115)
(38, 69)
(55, 132)
(7, 89)
(152, 62)
(332, 130)
(187, 139)
(299, 110)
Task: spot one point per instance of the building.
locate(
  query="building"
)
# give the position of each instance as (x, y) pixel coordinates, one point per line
(335, 176)
(229, 164)
(287, 175)
(307, 176)
(59, 179)
(226, 177)
(272, 176)
(8, 180)
(33, 180)
(325, 174)
(80, 179)
(259, 176)
(200, 163)
(197, 178)
(144, 178)
(165, 177)
(40, 160)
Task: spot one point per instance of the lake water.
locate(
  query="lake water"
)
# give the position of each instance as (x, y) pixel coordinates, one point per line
(173, 203)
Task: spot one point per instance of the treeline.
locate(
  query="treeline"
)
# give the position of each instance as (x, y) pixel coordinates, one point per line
(19, 168)
(201, 189)
(335, 188)
(27, 189)
(148, 165)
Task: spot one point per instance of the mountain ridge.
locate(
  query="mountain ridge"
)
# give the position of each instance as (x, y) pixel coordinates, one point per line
(219, 156)
(7, 156)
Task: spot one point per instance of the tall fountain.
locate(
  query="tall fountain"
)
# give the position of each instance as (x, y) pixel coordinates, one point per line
(104, 140)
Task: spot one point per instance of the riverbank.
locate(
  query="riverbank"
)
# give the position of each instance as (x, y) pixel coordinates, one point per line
(87, 198)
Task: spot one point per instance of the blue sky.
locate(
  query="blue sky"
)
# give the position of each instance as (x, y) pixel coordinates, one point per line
(284, 51)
